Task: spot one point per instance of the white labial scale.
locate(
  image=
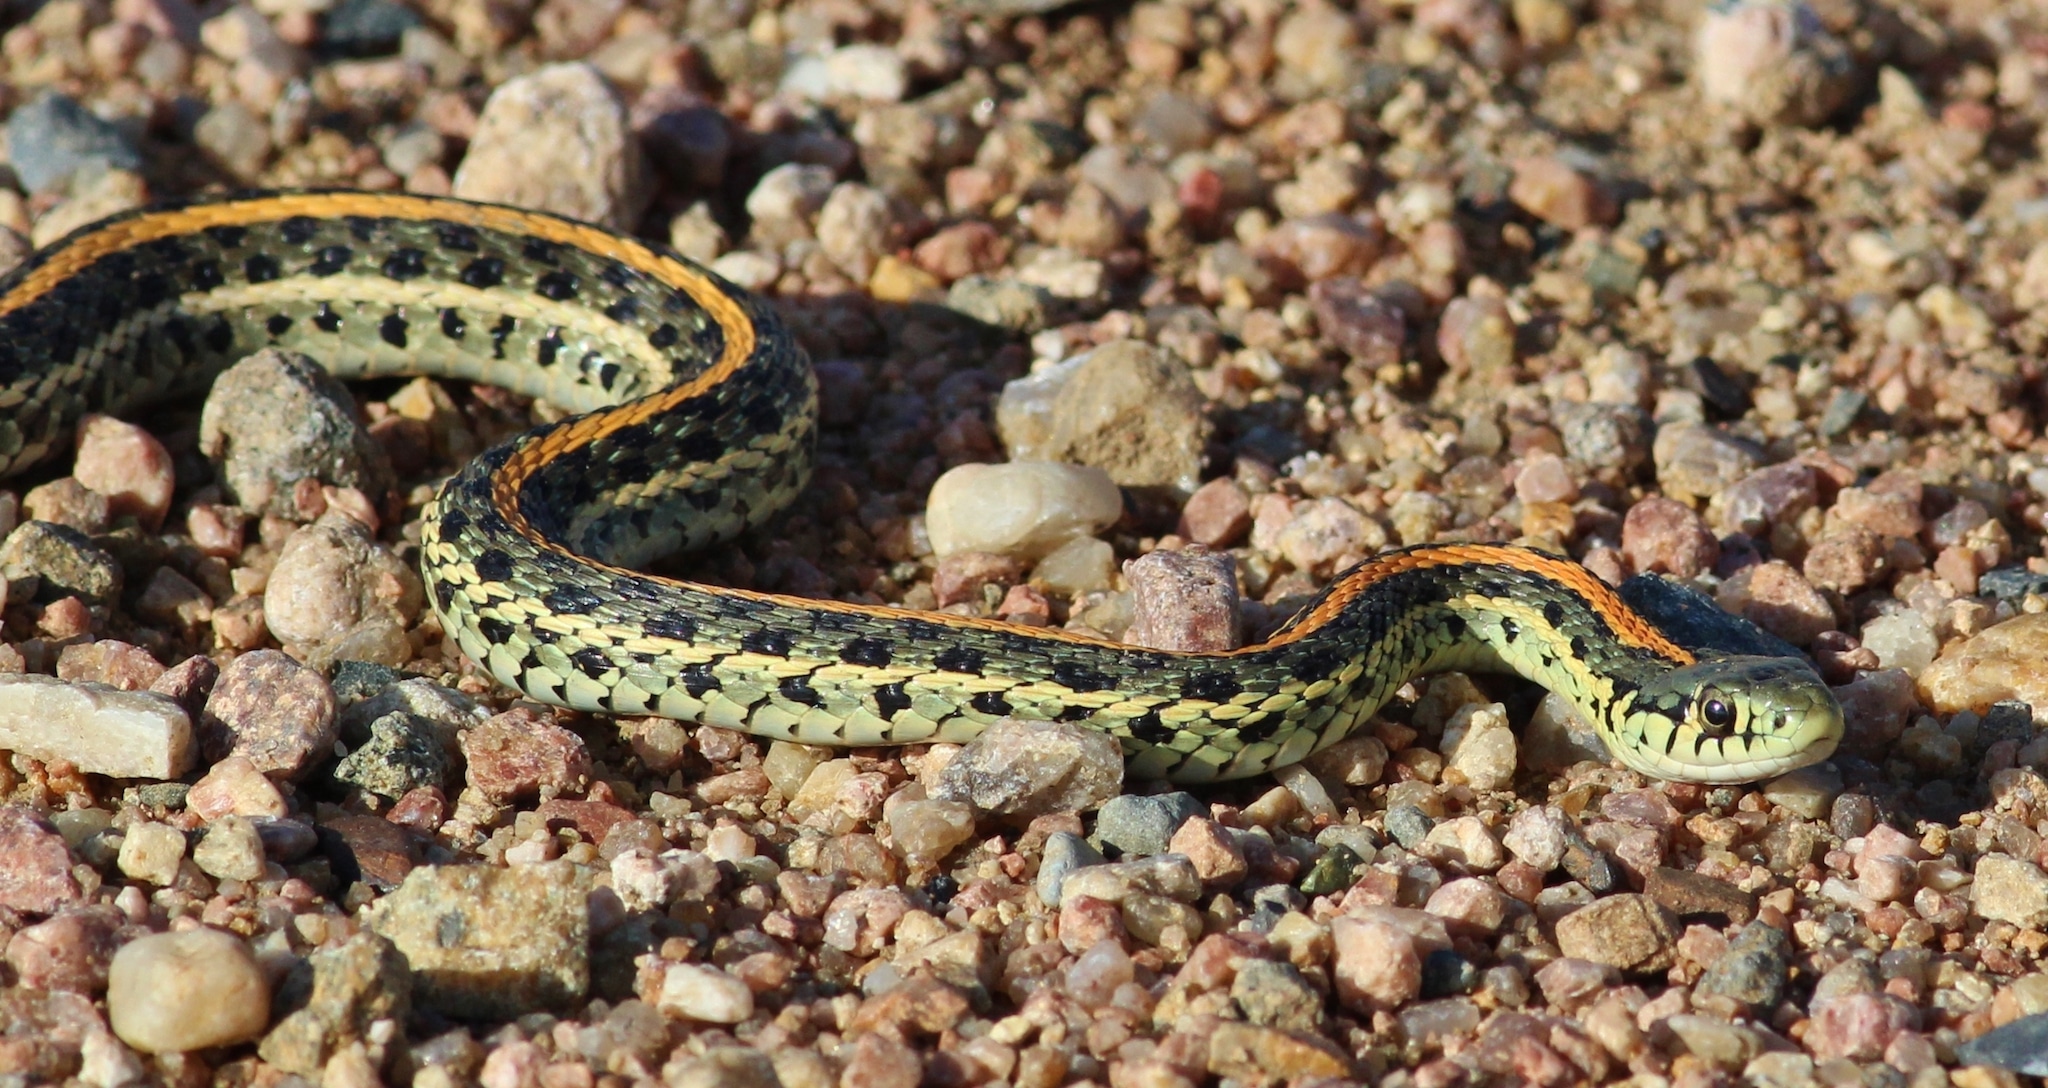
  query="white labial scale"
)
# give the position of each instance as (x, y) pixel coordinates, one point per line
(720, 710)
(775, 721)
(861, 722)
(820, 726)
(630, 698)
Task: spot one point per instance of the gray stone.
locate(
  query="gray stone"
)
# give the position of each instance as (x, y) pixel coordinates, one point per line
(1142, 826)
(54, 137)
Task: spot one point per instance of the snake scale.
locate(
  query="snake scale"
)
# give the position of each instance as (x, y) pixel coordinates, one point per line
(697, 411)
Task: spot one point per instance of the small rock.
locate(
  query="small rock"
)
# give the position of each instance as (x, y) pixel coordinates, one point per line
(1687, 894)
(559, 139)
(2009, 889)
(1025, 509)
(272, 710)
(1628, 932)
(150, 852)
(127, 465)
(1559, 194)
(1126, 407)
(71, 951)
(1064, 852)
(332, 579)
(854, 228)
(200, 988)
(53, 138)
(276, 418)
(1142, 826)
(1184, 600)
(2020, 1046)
(696, 992)
(1217, 515)
(1376, 965)
(57, 562)
(122, 734)
(926, 831)
(235, 787)
(521, 754)
(231, 849)
(355, 984)
(1998, 663)
(1004, 303)
(1754, 969)
(37, 878)
(1774, 61)
(1250, 1052)
(1024, 769)
(491, 943)
(401, 754)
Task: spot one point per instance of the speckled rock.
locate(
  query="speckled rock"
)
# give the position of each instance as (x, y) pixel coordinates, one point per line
(48, 561)
(1628, 932)
(37, 878)
(276, 418)
(1999, 663)
(559, 139)
(490, 943)
(1126, 407)
(1024, 769)
(272, 710)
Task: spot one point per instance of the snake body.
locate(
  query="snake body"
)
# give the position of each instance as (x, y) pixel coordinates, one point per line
(697, 417)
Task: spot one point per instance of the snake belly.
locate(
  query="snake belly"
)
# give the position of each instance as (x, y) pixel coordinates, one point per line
(697, 419)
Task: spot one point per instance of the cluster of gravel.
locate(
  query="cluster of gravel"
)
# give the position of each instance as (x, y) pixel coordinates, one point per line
(1141, 320)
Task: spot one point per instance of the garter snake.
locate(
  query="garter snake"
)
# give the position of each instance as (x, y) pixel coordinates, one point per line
(697, 415)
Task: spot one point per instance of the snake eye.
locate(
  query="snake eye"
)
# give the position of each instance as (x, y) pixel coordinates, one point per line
(1717, 714)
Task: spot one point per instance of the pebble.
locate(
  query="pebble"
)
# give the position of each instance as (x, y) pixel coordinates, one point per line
(191, 990)
(402, 753)
(695, 992)
(53, 139)
(127, 465)
(491, 943)
(231, 849)
(1183, 600)
(332, 582)
(2000, 662)
(1217, 515)
(49, 561)
(235, 787)
(2020, 1046)
(1324, 533)
(1063, 853)
(1142, 826)
(1366, 327)
(1753, 971)
(355, 984)
(1024, 509)
(1628, 932)
(1024, 769)
(65, 501)
(2009, 889)
(522, 754)
(1004, 303)
(1375, 965)
(1695, 461)
(786, 198)
(1167, 875)
(70, 951)
(101, 730)
(1663, 536)
(1561, 194)
(1081, 565)
(273, 711)
(1481, 746)
(1774, 61)
(559, 139)
(854, 227)
(926, 831)
(1319, 247)
(37, 878)
(151, 852)
(1128, 408)
(276, 418)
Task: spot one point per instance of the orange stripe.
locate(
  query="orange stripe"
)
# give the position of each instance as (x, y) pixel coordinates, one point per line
(1629, 626)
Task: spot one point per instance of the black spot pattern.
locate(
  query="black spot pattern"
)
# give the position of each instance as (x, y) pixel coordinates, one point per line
(483, 273)
(405, 263)
(261, 268)
(392, 329)
(493, 565)
(331, 260)
(961, 659)
(797, 689)
(1079, 677)
(452, 325)
(326, 320)
(990, 702)
(889, 699)
(277, 325)
(678, 627)
(556, 286)
(769, 642)
(870, 652)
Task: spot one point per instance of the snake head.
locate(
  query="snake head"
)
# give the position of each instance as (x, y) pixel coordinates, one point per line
(1728, 719)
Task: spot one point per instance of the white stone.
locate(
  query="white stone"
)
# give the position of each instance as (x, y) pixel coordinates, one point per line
(170, 992)
(151, 852)
(695, 992)
(1022, 508)
(120, 734)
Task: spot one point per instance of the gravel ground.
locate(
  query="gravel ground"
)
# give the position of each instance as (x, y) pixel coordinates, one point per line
(1743, 294)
